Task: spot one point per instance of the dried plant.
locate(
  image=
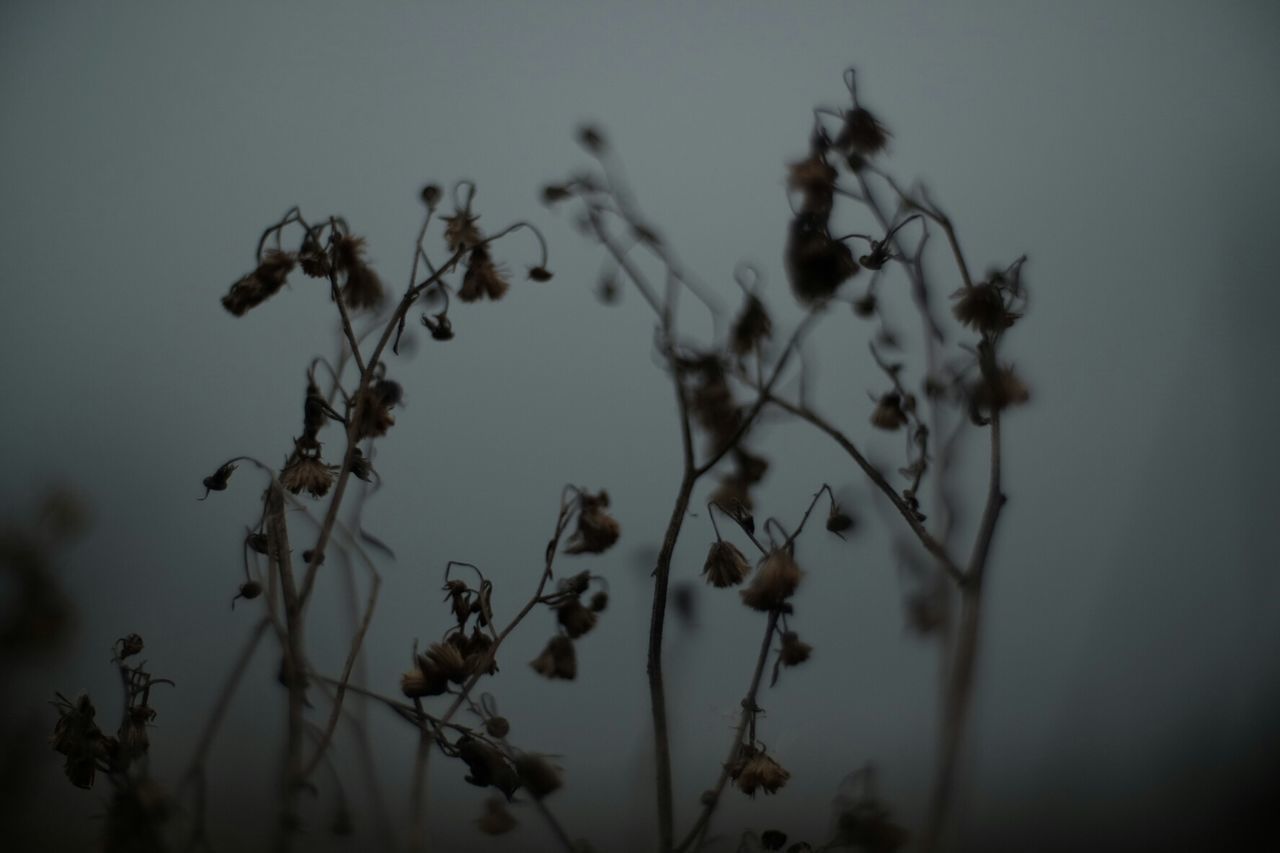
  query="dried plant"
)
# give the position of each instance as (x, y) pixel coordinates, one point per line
(722, 386)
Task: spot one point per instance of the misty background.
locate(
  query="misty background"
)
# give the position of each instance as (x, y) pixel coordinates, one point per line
(1130, 675)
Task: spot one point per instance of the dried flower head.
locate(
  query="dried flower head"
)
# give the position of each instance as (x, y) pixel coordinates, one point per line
(888, 414)
(1001, 391)
(482, 278)
(862, 133)
(362, 288)
(838, 521)
(539, 274)
(440, 328)
(751, 327)
(446, 660)
(794, 650)
(417, 683)
(597, 530)
(575, 618)
(374, 406)
(496, 820)
(307, 471)
(249, 590)
(487, 766)
(982, 308)
(726, 565)
(460, 231)
(260, 285)
(218, 480)
(816, 264)
(557, 660)
(312, 257)
(755, 770)
(497, 727)
(540, 777)
(774, 582)
(431, 196)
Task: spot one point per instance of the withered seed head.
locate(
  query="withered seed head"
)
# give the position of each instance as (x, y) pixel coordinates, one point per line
(982, 308)
(575, 618)
(460, 231)
(447, 660)
(794, 650)
(597, 530)
(482, 278)
(726, 565)
(888, 414)
(759, 771)
(774, 582)
(751, 327)
(218, 480)
(861, 134)
(417, 683)
(362, 289)
(816, 264)
(309, 472)
(260, 285)
(557, 660)
(540, 274)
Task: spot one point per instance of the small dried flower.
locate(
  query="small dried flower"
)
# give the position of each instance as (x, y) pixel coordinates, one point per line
(1001, 391)
(759, 771)
(597, 530)
(447, 660)
(360, 467)
(313, 259)
(557, 660)
(839, 521)
(309, 472)
(460, 231)
(794, 650)
(375, 404)
(599, 601)
(217, 481)
(539, 274)
(774, 582)
(362, 289)
(482, 278)
(417, 683)
(726, 565)
(497, 727)
(496, 820)
(982, 308)
(540, 777)
(260, 285)
(862, 133)
(475, 651)
(440, 328)
(575, 618)
(487, 766)
(888, 414)
(751, 327)
(816, 264)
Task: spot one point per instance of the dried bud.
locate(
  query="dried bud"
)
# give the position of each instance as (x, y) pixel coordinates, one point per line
(888, 414)
(441, 329)
(217, 481)
(539, 776)
(249, 590)
(726, 565)
(794, 650)
(591, 139)
(599, 601)
(597, 530)
(497, 727)
(128, 646)
(431, 196)
(1001, 391)
(839, 521)
(553, 193)
(575, 618)
(539, 274)
(496, 820)
(774, 582)
(557, 660)
(487, 766)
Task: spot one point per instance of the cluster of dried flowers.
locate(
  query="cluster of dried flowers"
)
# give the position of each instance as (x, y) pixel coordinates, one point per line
(139, 806)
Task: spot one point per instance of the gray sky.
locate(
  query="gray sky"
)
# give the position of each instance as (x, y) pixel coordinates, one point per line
(1128, 149)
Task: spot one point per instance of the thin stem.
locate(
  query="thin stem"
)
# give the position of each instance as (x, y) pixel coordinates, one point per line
(748, 711)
